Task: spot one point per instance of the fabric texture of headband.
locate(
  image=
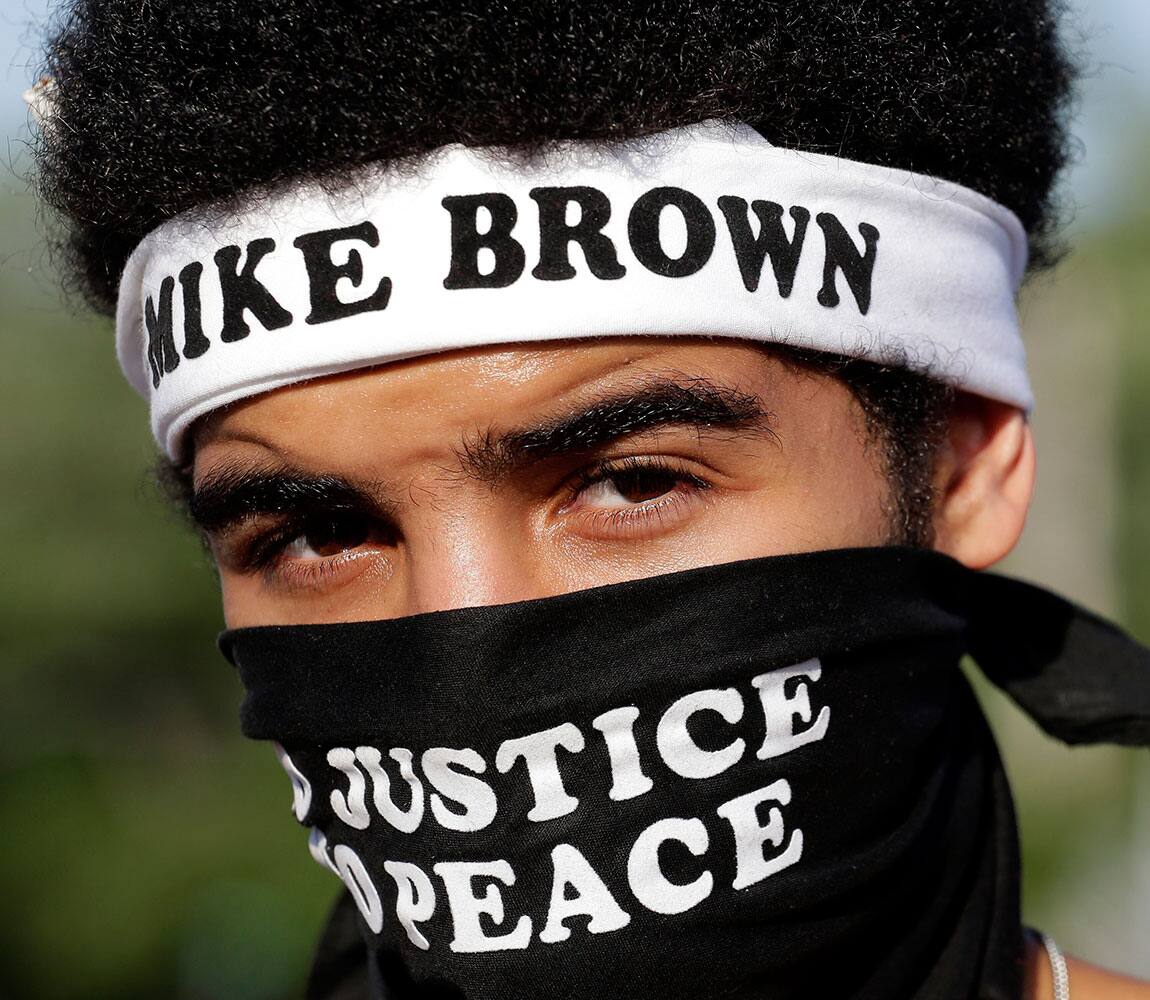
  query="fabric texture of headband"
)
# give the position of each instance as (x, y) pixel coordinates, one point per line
(704, 230)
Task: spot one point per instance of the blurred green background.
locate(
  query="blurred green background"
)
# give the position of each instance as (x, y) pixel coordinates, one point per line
(149, 852)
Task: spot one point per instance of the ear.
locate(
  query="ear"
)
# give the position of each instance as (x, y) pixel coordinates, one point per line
(984, 479)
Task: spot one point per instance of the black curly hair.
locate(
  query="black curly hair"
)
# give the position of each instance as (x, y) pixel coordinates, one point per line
(161, 106)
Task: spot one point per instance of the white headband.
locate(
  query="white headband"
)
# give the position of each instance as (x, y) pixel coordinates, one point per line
(701, 230)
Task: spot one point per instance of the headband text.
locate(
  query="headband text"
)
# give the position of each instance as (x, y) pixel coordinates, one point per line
(490, 257)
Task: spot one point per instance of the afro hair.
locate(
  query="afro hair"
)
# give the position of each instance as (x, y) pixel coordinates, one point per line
(162, 106)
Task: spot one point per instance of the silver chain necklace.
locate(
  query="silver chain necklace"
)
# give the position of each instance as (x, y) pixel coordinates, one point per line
(1058, 970)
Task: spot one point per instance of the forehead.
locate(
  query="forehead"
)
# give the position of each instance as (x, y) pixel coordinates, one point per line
(429, 403)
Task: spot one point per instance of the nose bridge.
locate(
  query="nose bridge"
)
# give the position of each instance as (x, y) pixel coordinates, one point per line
(463, 553)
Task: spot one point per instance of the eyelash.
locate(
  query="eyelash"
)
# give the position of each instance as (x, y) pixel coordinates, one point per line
(265, 552)
(265, 549)
(640, 515)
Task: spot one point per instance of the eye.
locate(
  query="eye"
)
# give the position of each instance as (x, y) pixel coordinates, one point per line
(637, 484)
(319, 550)
(324, 535)
(634, 497)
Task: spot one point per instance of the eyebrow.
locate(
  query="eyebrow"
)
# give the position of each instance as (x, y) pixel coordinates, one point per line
(232, 494)
(654, 402)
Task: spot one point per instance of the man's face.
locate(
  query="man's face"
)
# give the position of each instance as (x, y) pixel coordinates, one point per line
(499, 474)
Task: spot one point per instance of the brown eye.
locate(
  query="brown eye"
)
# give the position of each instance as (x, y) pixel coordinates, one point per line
(633, 484)
(328, 535)
(634, 497)
(641, 485)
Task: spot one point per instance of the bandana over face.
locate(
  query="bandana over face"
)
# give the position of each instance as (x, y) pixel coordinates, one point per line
(766, 778)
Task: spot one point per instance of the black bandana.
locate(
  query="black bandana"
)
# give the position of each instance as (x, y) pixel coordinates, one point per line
(764, 779)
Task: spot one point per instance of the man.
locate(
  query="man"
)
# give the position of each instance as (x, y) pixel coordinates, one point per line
(601, 407)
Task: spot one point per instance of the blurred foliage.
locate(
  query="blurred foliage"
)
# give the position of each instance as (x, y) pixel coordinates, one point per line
(150, 851)
(1107, 276)
(1125, 253)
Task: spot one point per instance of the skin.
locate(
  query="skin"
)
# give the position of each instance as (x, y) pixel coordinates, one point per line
(427, 518)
